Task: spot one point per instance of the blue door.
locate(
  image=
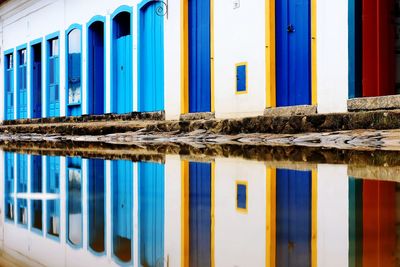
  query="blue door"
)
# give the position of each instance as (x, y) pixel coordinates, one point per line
(36, 174)
(151, 57)
(151, 214)
(122, 64)
(9, 86)
(96, 199)
(36, 80)
(293, 218)
(96, 77)
(122, 198)
(9, 185)
(293, 52)
(199, 56)
(53, 83)
(200, 214)
(74, 72)
(22, 98)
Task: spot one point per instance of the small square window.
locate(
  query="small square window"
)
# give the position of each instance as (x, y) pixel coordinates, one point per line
(241, 78)
(241, 196)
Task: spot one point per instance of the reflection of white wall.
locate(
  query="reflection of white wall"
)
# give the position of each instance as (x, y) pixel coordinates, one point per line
(240, 239)
(173, 207)
(333, 215)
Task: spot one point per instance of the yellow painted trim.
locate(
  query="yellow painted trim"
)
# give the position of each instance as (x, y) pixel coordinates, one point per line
(185, 214)
(212, 54)
(314, 207)
(241, 210)
(270, 66)
(184, 58)
(270, 218)
(212, 214)
(247, 78)
(314, 52)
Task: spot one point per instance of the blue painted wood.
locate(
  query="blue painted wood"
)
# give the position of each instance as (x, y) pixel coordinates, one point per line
(22, 173)
(355, 48)
(151, 57)
(241, 78)
(36, 80)
(151, 214)
(36, 174)
(122, 198)
(293, 52)
(96, 68)
(53, 78)
(293, 218)
(199, 214)
(96, 202)
(22, 97)
(199, 56)
(122, 91)
(9, 85)
(9, 185)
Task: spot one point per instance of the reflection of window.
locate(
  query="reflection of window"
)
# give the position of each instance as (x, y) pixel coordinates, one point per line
(241, 196)
(74, 67)
(53, 218)
(22, 212)
(74, 209)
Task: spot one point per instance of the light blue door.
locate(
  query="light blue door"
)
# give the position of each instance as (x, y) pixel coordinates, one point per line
(22, 98)
(9, 86)
(53, 86)
(151, 214)
(151, 57)
(122, 199)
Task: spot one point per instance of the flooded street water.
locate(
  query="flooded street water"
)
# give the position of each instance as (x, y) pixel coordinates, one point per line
(196, 211)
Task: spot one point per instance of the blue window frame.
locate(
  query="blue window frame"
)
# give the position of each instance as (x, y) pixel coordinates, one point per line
(9, 84)
(74, 70)
(53, 75)
(22, 93)
(9, 185)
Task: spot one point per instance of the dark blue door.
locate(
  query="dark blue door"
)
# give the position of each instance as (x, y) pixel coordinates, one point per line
(151, 58)
(122, 198)
(36, 172)
(22, 97)
(199, 56)
(53, 82)
(36, 81)
(96, 199)
(96, 84)
(293, 218)
(151, 214)
(293, 52)
(200, 214)
(9, 86)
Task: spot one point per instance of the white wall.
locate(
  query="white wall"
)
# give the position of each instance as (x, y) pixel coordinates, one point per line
(239, 36)
(332, 55)
(240, 239)
(333, 216)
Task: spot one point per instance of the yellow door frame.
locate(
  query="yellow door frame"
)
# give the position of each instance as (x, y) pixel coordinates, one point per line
(270, 254)
(185, 56)
(270, 50)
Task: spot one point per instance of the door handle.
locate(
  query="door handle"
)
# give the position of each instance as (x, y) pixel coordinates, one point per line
(291, 28)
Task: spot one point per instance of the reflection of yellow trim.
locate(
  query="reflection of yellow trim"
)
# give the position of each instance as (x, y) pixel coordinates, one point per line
(270, 66)
(185, 214)
(314, 52)
(241, 210)
(185, 56)
(247, 79)
(270, 218)
(314, 199)
(212, 214)
(212, 54)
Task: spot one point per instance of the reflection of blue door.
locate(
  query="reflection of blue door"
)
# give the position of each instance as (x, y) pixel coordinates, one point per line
(53, 174)
(36, 172)
(22, 102)
(22, 173)
(53, 187)
(122, 176)
(37, 214)
(53, 86)
(293, 52)
(199, 56)
(9, 86)
(96, 77)
(293, 218)
(74, 201)
(96, 197)
(151, 58)
(200, 214)
(9, 184)
(151, 214)
(36, 80)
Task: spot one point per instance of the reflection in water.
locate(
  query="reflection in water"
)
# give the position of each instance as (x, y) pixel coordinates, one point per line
(180, 213)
